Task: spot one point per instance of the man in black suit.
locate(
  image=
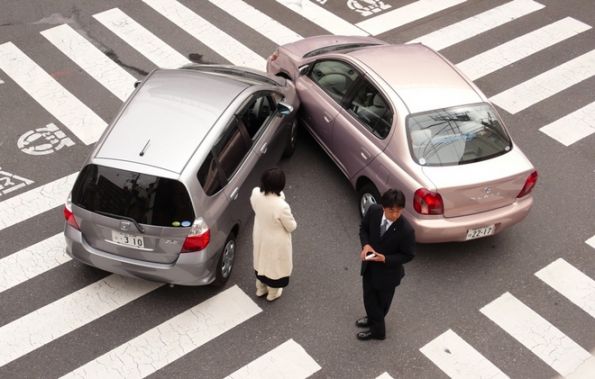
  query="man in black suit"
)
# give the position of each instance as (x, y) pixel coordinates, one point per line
(388, 241)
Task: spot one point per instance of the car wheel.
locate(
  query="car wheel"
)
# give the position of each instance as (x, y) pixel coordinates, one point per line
(368, 195)
(292, 141)
(225, 263)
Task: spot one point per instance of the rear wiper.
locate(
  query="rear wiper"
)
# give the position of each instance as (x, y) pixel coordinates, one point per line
(140, 228)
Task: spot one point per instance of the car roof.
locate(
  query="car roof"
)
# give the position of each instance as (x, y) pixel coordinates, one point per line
(168, 118)
(423, 79)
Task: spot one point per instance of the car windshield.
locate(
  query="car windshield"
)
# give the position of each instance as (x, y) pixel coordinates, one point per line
(146, 199)
(457, 135)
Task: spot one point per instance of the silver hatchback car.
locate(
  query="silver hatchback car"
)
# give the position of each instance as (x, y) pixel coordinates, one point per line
(166, 190)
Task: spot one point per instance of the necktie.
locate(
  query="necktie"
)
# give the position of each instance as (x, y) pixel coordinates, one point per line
(383, 227)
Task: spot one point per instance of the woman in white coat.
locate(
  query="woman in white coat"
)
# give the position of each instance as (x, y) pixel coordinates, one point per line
(273, 224)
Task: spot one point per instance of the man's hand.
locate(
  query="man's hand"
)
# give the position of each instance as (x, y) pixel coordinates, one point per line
(377, 258)
(367, 249)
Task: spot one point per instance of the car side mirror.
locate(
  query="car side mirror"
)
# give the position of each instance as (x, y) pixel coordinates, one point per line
(284, 109)
(137, 83)
(304, 69)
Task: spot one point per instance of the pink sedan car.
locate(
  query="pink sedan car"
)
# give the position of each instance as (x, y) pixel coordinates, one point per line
(403, 116)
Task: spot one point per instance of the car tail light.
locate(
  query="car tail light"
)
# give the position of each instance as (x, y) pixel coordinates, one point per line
(68, 215)
(427, 202)
(199, 237)
(274, 56)
(529, 184)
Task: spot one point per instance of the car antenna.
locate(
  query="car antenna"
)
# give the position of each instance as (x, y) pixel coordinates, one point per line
(145, 148)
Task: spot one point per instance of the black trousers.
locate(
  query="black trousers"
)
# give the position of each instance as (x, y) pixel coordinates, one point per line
(377, 303)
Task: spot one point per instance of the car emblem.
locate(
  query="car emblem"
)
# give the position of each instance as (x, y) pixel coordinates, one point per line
(124, 226)
(487, 190)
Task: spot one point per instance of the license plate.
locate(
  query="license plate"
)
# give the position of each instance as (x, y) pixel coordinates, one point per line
(127, 239)
(480, 232)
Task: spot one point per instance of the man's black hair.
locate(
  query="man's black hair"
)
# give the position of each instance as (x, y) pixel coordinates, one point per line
(393, 198)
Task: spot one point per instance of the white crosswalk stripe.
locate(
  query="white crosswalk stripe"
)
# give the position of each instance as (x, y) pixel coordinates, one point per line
(570, 282)
(591, 242)
(458, 359)
(384, 375)
(481, 23)
(141, 39)
(58, 101)
(572, 127)
(288, 360)
(172, 339)
(521, 47)
(92, 60)
(547, 84)
(225, 45)
(536, 334)
(69, 313)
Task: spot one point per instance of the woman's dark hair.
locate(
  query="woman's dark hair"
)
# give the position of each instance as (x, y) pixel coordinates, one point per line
(393, 198)
(272, 181)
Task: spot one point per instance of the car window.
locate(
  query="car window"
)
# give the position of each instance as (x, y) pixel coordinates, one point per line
(334, 77)
(457, 135)
(231, 148)
(370, 107)
(209, 176)
(257, 113)
(148, 199)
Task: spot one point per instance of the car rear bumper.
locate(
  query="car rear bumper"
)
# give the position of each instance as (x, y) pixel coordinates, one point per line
(455, 228)
(190, 269)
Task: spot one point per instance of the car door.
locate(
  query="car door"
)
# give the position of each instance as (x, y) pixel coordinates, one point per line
(321, 93)
(361, 128)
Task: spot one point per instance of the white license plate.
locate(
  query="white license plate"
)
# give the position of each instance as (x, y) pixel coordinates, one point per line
(480, 232)
(127, 239)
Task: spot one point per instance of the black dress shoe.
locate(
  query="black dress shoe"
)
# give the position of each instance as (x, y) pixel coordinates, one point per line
(368, 335)
(362, 322)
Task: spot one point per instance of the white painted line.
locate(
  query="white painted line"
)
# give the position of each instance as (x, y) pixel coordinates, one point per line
(91, 60)
(473, 26)
(216, 39)
(32, 261)
(69, 313)
(33, 202)
(458, 359)
(58, 101)
(546, 84)
(536, 333)
(384, 375)
(141, 39)
(591, 242)
(258, 21)
(11, 182)
(584, 371)
(322, 17)
(521, 47)
(571, 283)
(572, 127)
(404, 15)
(172, 339)
(288, 361)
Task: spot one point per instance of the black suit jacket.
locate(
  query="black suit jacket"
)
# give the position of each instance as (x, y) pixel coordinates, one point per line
(397, 245)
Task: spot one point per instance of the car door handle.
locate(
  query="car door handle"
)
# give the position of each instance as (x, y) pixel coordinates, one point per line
(264, 148)
(326, 119)
(364, 154)
(234, 193)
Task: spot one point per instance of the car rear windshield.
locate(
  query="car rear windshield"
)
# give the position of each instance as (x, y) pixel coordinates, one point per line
(147, 199)
(455, 136)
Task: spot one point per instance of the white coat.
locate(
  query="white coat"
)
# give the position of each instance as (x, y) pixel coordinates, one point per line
(273, 224)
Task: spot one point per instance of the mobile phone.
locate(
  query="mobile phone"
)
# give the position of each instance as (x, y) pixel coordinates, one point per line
(370, 256)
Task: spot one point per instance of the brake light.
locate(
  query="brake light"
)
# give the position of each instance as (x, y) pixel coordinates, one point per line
(529, 184)
(427, 202)
(199, 237)
(274, 56)
(68, 215)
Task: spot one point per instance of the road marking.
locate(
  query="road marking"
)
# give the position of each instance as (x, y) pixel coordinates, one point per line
(572, 127)
(258, 21)
(69, 313)
(521, 47)
(172, 339)
(473, 26)
(288, 360)
(536, 333)
(404, 15)
(570, 282)
(384, 375)
(91, 60)
(323, 18)
(591, 242)
(32, 261)
(36, 201)
(43, 141)
(44, 89)
(11, 182)
(216, 39)
(458, 359)
(141, 39)
(547, 84)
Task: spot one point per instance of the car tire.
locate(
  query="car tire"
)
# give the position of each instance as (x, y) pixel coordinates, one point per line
(225, 263)
(368, 195)
(292, 140)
